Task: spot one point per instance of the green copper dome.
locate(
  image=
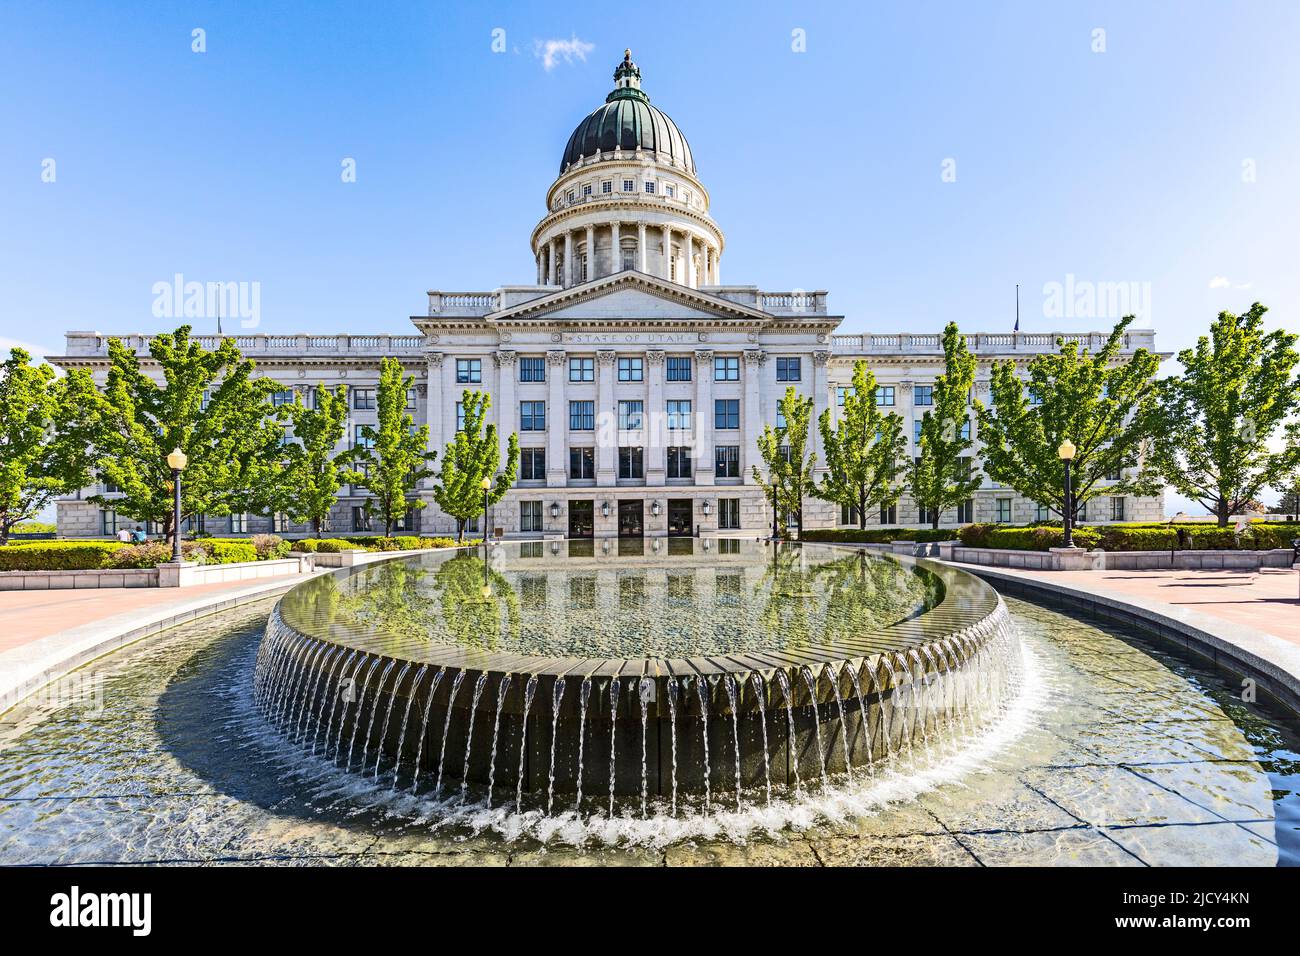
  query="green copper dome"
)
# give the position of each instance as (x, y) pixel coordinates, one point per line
(627, 121)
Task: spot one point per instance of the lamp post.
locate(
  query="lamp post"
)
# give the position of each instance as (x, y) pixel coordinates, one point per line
(486, 485)
(775, 527)
(1066, 452)
(176, 461)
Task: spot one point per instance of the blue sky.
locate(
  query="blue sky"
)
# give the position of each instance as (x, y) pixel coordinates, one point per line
(1169, 160)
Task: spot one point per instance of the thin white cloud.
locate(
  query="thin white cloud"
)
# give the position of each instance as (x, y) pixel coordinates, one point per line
(550, 52)
(36, 351)
(1223, 282)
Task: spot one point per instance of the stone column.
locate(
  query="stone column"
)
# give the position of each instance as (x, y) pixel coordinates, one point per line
(591, 252)
(702, 414)
(656, 412)
(615, 254)
(451, 393)
(717, 268)
(752, 410)
(557, 419)
(433, 408)
(606, 420)
(690, 260)
(568, 259)
(507, 408)
(821, 400)
(640, 247)
(551, 262)
(668, 252)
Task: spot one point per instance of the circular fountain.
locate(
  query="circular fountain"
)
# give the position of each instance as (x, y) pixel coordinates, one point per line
(645, 674)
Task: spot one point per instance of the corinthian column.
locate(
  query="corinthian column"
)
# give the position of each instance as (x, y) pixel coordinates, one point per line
(690, 260)
(702, 417)
(821, 400)
(656, 450)
(752, 413)
(640, 247)
(557, 418)
(507, 408)
(668, 252)
(606, 420)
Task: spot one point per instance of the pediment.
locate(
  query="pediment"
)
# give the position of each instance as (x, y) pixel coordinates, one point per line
(628, 296)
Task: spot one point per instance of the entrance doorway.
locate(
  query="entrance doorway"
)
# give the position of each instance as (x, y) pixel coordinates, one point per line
(631, 522)
(679, 517)
(582, 520)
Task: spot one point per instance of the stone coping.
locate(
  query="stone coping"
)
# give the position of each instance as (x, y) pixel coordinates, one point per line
(29, 667)
(1273, 663)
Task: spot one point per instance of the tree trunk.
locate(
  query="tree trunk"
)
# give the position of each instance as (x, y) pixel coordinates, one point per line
(315, 527)
(1222, 512)
(935, 515)
(460, 530)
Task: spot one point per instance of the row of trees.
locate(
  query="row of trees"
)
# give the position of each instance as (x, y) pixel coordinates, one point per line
(59, 434)
(1219, 432)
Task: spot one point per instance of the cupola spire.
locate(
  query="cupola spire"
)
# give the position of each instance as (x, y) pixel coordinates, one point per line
(627, 76)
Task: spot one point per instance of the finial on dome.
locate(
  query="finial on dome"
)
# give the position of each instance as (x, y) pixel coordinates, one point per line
(627, 76)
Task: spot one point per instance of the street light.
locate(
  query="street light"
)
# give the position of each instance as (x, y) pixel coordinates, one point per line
(1066, 452)
(176, 461)
(486, 485)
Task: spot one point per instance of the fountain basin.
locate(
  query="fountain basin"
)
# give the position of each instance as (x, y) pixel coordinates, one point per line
(443, 672)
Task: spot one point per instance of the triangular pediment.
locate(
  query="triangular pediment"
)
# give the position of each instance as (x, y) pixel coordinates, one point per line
(628, 295)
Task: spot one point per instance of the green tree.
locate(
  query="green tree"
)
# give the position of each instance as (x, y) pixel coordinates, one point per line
(45, 430)
(313, 471)
(473, 455)
(944, 474)
(1102, 402)
(208, 404)
(1237, 388)
(393, 457)
(865, 451)
(789, 476)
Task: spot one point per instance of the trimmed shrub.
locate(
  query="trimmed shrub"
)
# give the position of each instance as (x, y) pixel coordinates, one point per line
(58, 555)
(334, 546)
(270, 547)
(221, 551)
(878, 535)
(1039, 538)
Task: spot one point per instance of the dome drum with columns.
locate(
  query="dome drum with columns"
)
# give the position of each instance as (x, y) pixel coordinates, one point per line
(627, 198)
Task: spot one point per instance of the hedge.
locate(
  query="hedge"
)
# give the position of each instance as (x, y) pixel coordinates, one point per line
(1152, 536)
(373, 543)
(878, 535)
(58, 555)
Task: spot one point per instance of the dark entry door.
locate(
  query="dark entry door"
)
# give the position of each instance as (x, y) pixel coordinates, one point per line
(679, 517)
(630, 520)
(582, 522)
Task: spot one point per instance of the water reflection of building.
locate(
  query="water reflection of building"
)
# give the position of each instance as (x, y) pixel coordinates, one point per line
(637, 380)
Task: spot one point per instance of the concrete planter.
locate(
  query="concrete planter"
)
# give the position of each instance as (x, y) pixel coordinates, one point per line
(186, 574)
(1076, 559)
(62, 580)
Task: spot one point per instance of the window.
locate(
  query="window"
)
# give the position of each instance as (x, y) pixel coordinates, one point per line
(923, 515)
(1116, 509)
(532, 370)
(780, 418)
(407, 521)
(729, 513)
(889, 515)
(238, 523)
(582, 416)
(848, 514)
(629, 258)
(726, 413)
(410, 399)
(885, 395)
(923, 394)
(679, 461)
(572, 195)
(628, 185)
(916, 431)
(532, 416)
(361, 437)
(1034, 397)
(360, 519)
(530, 516)
(206, 400)
(726, 369)
(842, 392)
(650, 187)
(1004, 510)
(679, 368)
(631, 369)
(1042, 513)
(460, 416)
(1113, 475)
(631, 462)
(532, 464)
(582, 370)
(606, 187)
(726, 462)
(469, 371)
(108, 522)
(965, 430)
(279, 522)
(679, 415)
(629, 415)
(363, 399)
(966, 511)
(586, 190)
(582, 463)
(282, 397)
(668, 190)
(1080, 512)
(788, 370)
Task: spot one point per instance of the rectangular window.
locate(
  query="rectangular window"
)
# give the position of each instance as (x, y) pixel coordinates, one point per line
(460, 416)
(923, 394)
(629, 415)
(1116, 509)
(842, 392)
(628, 185)
(726, 461)
(650, 187)
(889, 515)
(668, 190)
(922, 515)
(1042, 513)
(788, 370)
(631, 462)
(916, 431)
(679, 415)
(629, 259)
(1113, 475)
(885, 395)
(582, 463)
(679, 461)
(238, 523)
(530, 516)
(729, 514)
(282, 397)
(363, 399)
(726, 369)
(582, 416)
(411, 398)
(532, 370)
(726, 413)
(532, 464)
(966, 511)
(1004, 510)
(848, 514)
(469, 371)
(108, 522)
(606, 187)
(1034, 397)
(679, 368)
(631, 369)
(965, 430)
(361, 437)
(532, 416)
(586, 190)
(360, 520)
(279, 522)
(582, 370)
